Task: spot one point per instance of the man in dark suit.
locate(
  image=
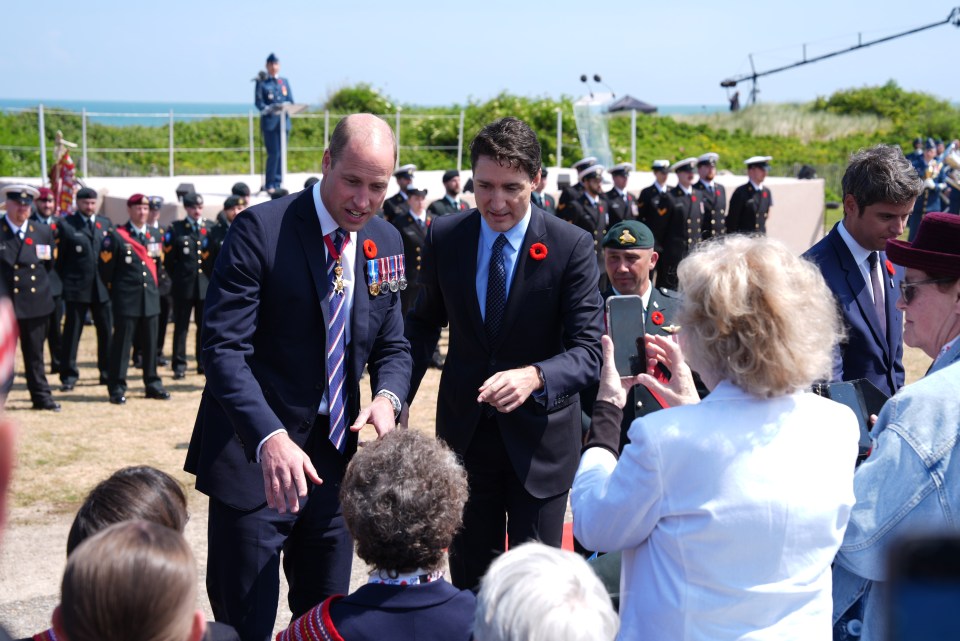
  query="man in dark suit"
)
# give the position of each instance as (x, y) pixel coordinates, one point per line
(26, 258)
(649, 210)
(751, 202)
(129, 261)
(681, 230)
(714, 196)
(450, 203)
(45, 213)
(518, 288)
(185, 245)
(879, 190)
(292, 316)
(397, 203)
(623, 206)
(544, 201)
(80, 243)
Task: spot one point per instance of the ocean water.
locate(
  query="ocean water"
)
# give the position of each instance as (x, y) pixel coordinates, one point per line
(157, 114)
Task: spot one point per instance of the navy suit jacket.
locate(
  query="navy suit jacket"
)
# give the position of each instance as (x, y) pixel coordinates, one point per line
(264, 342)
(866, 353)
(553, 319)
(436, 611)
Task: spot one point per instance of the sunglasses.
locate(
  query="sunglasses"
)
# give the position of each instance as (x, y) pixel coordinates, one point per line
(908, 290)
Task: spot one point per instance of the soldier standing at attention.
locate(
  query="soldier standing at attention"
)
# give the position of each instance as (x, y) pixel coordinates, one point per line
(623, 206)
(232, 206)
(590, 212)
(751, 202)
(681, 233)
(129, 260)
(185, 245)
(26, 258)
(81, 239)
(45, 213)
(450, 203)
(412, 225)
(714, 196)
(544, 201)
(163, 287)
(397, 203)
(571, 193)
(650, 211)
(270, 94)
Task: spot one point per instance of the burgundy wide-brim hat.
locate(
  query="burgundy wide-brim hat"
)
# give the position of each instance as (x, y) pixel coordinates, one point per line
(936, 248)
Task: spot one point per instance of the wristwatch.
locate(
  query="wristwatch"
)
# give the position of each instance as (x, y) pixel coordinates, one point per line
(390, 396)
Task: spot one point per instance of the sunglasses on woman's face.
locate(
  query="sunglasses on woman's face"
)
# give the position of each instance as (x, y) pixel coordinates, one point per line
(909, 290)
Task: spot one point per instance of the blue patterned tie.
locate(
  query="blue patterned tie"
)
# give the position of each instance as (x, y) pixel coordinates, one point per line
(336, 347)
(496, 290)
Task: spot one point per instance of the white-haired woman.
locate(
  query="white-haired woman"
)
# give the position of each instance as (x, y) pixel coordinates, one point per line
(728, 512)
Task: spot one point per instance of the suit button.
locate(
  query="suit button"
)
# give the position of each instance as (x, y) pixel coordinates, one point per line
(16, 290)
(33, 266)
(33, 278)
(16, 266)
(33, 290)
(16, 278)
(199, 261)
(144, 284)
(145, 273)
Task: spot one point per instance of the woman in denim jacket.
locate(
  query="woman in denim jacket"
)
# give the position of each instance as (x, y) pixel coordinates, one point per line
(908, 483)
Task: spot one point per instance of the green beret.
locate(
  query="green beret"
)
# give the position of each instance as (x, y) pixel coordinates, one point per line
(629, 234)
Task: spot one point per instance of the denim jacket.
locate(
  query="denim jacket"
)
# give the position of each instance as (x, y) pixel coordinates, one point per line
(907, 485)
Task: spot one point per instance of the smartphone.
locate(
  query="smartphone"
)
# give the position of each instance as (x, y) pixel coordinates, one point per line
(625, 327)
(924, 588)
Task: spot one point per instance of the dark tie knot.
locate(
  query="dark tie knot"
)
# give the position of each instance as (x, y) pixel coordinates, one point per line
(338, 238)
(498, 244)
(872, 259)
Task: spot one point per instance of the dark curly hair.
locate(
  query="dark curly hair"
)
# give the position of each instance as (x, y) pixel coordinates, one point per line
(403, 498)
(511, 142)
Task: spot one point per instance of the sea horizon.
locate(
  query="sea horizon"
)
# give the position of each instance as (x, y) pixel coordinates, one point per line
(157, 113)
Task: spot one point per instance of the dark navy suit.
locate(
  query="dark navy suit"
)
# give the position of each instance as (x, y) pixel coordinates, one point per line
(272, 91)
(866, 353)
(264, 348)
(553, 319)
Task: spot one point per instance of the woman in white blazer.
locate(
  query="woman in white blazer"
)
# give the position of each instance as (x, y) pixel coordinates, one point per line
(728, 511)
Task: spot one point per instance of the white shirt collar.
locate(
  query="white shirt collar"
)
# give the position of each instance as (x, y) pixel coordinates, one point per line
(514, 235)
(756, 186)
(860, 254)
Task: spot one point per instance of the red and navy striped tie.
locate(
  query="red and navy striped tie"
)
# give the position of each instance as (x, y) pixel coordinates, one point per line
(336, 343)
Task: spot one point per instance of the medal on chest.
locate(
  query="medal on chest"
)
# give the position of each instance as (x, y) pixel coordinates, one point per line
(338, 279)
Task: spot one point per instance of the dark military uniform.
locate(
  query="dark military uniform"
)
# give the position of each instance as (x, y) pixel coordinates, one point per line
(25, 265)
(591, 217)
(681, 232)
(544, 201)
(414, 235)
(133, 284)
(164, 287)
(186, 247)
(568, 196)
(446, 205)
(748, 210)
(268, 92)
(215, 243)
(395, 206)
(622, 206)
(79, 243)
(714, 208)
(54, 327)
(652, 213)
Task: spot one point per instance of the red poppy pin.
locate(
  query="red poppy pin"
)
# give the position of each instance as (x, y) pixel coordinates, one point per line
(538, 251)
(718, 192)
(693, 198)
(657, 318)
(764, 193)
(369, 249)
(203, 231)
(98, 225)
(890, 269)
(28, 240)
(53, 226)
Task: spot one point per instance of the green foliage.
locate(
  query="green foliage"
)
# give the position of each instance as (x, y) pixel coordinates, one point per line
(822, 134)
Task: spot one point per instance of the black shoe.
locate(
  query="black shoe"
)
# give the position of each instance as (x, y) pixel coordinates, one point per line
(162, 362)
(436, 362)
(158, 394)
(118, 399)
(66, 387)
(178, 375)
(48, 404)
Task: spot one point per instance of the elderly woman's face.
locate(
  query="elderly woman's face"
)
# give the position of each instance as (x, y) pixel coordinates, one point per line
(932, 317)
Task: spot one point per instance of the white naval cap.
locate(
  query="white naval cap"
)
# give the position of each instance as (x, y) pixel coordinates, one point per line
(622, 168)
(762, 161)
(709, 158)
(687, 164)
(590, 171)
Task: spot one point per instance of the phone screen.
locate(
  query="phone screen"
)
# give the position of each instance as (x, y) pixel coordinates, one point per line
(626, 329)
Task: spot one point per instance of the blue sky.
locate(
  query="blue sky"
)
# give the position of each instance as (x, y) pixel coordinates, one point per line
(439, 53)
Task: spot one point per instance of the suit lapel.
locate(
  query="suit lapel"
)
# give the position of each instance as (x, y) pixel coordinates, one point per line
(469, 240)
(522, 273)
(360, 314)
(890, 303)
(311, 238)
(858, 287)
